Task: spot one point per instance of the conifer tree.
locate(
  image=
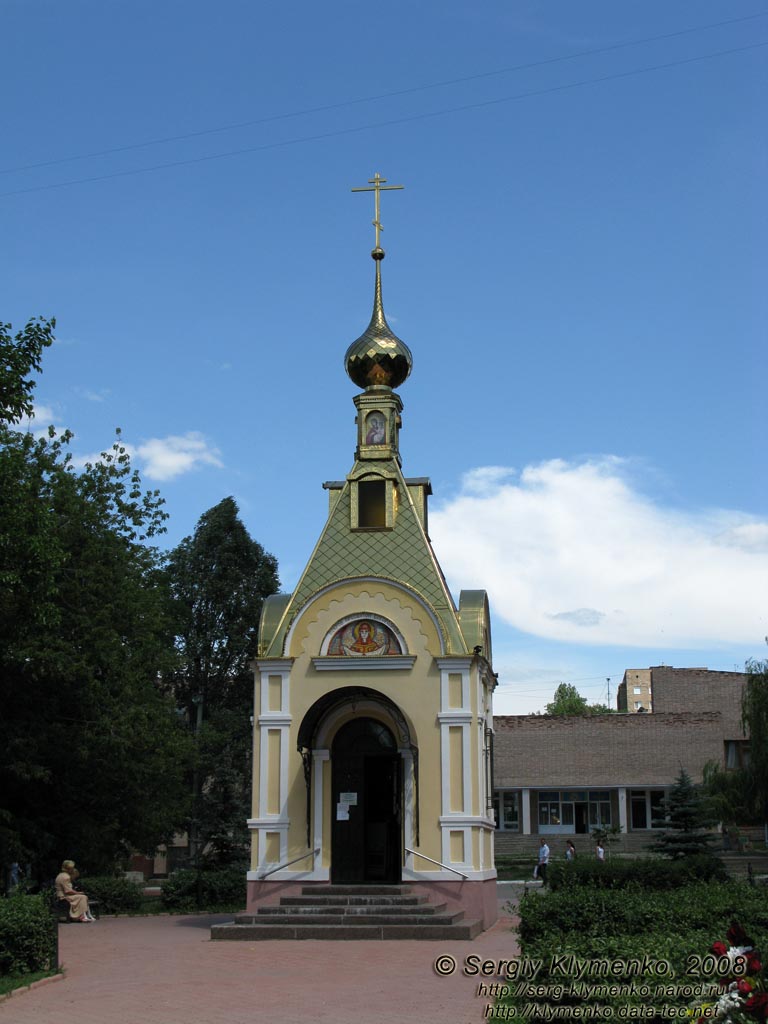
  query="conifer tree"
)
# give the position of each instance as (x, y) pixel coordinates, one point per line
(219, 578)
(685, 821)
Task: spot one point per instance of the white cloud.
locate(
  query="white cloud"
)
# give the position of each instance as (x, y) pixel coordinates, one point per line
(165, 458)
(572, 552)
(42, 417)
(581, 616)
(485, 479)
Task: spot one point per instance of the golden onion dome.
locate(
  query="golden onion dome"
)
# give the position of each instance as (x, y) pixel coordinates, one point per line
(378, 357)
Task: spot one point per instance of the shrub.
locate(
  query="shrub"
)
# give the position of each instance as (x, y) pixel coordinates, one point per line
(222, 888)
(589, 912)
(115, 895)
(510, 866)
(623, 927)
(27, 935)
(652, 873)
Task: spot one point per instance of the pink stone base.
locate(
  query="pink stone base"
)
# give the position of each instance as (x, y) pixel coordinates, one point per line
(260, 894)
(478, 900)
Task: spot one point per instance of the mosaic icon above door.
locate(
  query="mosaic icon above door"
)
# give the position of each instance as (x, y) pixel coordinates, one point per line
(364, 638)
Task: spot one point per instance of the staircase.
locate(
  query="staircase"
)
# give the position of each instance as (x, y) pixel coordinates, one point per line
(351, 912)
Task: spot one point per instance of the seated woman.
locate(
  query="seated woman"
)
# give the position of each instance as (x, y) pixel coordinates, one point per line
(78, 901)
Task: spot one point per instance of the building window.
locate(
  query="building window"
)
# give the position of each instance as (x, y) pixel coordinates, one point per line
(736, 753)
(571, 811)
(599, 809)
(637, 689)
(646, 808)
(506, 810)
(549, 810)
(638, 809)
(372, 504)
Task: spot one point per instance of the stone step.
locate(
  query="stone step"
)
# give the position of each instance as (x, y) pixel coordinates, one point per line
(350, 932)
(422, 910)
(333, 920)
(353, 901)
(358, 890)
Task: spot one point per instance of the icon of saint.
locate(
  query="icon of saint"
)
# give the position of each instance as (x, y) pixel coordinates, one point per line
(376, 432)
(365, 642)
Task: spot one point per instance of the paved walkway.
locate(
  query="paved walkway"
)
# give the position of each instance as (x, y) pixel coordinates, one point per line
(165, 970)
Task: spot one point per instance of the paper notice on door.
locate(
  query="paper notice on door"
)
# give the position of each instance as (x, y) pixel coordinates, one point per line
(342, 812)
(348, 798)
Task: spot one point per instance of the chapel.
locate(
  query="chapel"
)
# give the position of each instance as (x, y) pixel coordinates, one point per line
(373, 719)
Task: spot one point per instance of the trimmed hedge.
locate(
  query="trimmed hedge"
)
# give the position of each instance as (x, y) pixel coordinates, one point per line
(652, 873)
(589, 911)
(27, 935)
(222, 888)
(593, 940)
(115, 895)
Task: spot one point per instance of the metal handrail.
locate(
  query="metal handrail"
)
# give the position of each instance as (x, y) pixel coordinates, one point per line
(438, 862)
(287, 863)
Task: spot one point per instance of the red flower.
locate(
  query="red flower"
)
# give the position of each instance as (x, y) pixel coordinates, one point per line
(743, 986)
(757, 1005)
(754, 966)
(719, 949)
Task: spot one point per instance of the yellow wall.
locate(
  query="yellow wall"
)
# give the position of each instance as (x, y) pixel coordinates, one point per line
(417, 692)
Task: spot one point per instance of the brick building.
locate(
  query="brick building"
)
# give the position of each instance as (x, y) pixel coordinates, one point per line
(562, 776)
(634, 693)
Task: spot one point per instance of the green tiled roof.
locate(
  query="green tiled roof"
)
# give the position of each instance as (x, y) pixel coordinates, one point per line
(403, 554)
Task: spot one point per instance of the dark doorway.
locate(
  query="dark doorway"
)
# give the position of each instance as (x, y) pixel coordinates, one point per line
(581, 815)
(366, 804)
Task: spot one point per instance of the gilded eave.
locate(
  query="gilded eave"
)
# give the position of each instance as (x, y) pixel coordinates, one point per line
(475, 619)
(272, 612)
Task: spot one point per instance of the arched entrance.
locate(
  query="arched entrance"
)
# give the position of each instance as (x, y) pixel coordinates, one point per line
(366, 793)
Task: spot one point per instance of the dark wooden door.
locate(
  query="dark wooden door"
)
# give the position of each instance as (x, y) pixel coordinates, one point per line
(366, 791)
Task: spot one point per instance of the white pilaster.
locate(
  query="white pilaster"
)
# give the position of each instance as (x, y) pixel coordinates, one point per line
(319, 757)
(273, 720)
(526, 811)
(623, 809)
(456, 819)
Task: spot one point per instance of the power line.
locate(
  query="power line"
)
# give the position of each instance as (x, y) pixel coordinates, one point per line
(380, 96)
(382, 124)
(541, 687)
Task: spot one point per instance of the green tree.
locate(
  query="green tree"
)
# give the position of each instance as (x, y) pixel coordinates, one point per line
(686, 821)
(726, 791)
(754, 722)
(92, 755)
(219, 578)
(20, 356)
(568, 701)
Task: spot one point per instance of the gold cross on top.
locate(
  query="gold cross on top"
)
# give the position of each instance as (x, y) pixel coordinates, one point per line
(379, 186)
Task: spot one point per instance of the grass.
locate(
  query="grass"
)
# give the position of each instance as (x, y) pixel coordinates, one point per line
(10, 982)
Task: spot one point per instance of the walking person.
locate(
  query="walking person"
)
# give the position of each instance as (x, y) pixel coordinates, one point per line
(541, 867)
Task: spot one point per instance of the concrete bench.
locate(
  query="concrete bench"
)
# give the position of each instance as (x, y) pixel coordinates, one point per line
(62, 911)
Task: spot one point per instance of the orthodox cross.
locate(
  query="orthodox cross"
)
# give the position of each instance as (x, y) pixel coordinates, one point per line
(379, 186)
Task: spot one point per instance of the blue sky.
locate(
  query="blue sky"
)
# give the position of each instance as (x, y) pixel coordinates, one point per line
(577, 263)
